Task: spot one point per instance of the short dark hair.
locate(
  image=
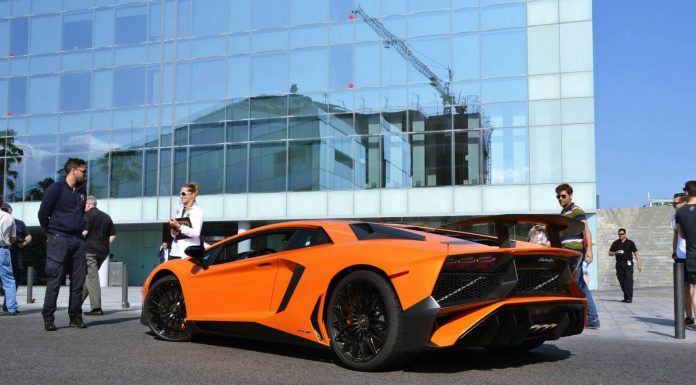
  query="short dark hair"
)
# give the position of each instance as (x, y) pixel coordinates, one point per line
(681, 196)
(622, 229)
(73, 163)
(690, 188)
(564, 187)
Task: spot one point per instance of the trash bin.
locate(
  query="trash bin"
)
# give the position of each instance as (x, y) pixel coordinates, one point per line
(115, 273)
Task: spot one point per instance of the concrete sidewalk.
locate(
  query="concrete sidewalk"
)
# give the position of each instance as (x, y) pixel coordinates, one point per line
(649, 317)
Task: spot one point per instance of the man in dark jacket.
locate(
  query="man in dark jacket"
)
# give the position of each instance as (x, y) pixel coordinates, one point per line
(61, 216)
(100, 233)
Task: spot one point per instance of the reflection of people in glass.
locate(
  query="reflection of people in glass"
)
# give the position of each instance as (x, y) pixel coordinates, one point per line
(185, 235)
(539, 236)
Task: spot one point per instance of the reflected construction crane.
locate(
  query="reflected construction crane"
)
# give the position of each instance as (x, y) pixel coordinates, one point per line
(442, 87)
(391, 40)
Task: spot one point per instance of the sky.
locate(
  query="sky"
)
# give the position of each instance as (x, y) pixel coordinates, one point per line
(645, 99)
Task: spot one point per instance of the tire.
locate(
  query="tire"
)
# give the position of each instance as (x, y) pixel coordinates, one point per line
(516, 349)
(365, 323)
(165, 310)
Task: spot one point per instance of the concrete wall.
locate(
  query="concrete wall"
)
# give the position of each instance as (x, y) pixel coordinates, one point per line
(649, 228)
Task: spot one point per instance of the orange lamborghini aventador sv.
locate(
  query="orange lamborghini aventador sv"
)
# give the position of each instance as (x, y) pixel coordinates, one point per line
(373, 293)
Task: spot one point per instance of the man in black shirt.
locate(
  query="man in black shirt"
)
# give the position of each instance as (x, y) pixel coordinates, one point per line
(100, 233)
(624, 249)
(61, 216)
(685, 219)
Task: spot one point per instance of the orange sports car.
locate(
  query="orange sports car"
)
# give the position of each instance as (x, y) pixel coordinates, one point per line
(374, 293)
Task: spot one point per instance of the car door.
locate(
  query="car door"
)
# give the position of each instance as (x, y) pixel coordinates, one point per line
(238, 285)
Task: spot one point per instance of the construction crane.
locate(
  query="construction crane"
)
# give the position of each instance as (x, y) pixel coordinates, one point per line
(390, 40)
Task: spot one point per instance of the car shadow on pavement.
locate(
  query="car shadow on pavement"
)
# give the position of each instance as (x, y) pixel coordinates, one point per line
(474, 358)
(92, 321)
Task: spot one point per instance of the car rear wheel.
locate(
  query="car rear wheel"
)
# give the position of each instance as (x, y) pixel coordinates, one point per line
(365, 322)
(165, 310)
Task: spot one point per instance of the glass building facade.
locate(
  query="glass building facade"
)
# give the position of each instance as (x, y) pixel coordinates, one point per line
(298, 108)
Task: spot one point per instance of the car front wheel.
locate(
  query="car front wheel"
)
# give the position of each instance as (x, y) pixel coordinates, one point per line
(165, 310)
(365, 322)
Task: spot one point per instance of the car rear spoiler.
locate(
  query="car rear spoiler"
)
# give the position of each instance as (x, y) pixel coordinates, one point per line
(557, 226)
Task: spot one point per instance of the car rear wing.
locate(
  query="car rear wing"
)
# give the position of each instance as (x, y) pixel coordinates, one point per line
(557, 226)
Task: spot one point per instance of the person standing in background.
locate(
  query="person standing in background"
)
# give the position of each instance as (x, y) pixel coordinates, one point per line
(184, 235)
(100, 234)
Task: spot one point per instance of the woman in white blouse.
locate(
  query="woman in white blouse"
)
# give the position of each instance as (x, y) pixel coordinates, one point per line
(183, 235)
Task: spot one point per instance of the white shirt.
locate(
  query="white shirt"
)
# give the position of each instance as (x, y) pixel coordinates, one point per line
(195, 215)
(681, 242)
(8, 230)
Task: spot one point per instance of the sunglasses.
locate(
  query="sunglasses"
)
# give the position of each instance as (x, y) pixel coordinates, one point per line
(622, 233)
(675, 204)
(564, 196)
(184, 193)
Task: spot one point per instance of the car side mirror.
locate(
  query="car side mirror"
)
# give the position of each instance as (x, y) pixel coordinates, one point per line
(197, 254)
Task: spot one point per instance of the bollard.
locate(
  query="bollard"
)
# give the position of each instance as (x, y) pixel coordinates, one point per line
(124, 286)
(30, 284)
(679, 332)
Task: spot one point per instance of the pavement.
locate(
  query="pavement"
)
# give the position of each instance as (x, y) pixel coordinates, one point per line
(649, 318)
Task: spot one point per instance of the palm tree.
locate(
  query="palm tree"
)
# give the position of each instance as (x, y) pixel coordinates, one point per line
(10, 155)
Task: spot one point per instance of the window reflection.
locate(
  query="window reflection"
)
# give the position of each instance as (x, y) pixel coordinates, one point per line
(150, 173)
(210, 133)
(75, 91)
(19, 35)
(131, 25)
(397, 161)
(236, 165)
(267, 167)
(368, 156)
(468, 158)
(268, 129)
(304, 168)
(43, 174)
(17, 97)
(126, 170)
(509, 156)
(129, 86)
(77, 31)
(269, 14)
(340, 163)
(205, 168)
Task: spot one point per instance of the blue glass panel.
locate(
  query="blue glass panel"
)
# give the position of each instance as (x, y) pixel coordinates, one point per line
(43, 173)
(154, 28)
(308, 11)
(181, 135)
(467, 93)
(363, 32)
(104, 31)
(424, 95)
(267, 167)
(130, 55)
(76, 60)
(307, 104)
(17, 95)
(126, 173)
(393, 7)
(269, 40)
(238, 44)
(43, 7)
(506, 114)
(167, 83)
(207, 133)
(214, 46)
(431, 159)
(504, 90)
(368, 162)
(268, 106)
(396, 161)
(464, 3)
(151, 137)
(207, 112)
(42, 143)
(240, 19)
(4, 8)
(237, 109)
(128, 117)
(269, 14)
(165, 171)
(19, 35)
(394, 67)
(152, 91)
(4, 96)
(504, 53)
(419, 5)
(73, 143)
(183, 81)
(210, 17)
(47, 87)
(465, 20)
(430, 119)
(509, 156)
(467, 157)
(77, 31)
(341, 10)
(304, 166)
(75, 122)
(268, 129)
(4, 37)
(309, 70)
(306, 127)
(45, 34)
(397, 25)
(269, 74)
(208, 79)
(131, 25)
(129, 86)
(504, 16)
(20, 7)
(15, 175)
(494, 2)
(102, 89)
(340, 163)
(184, 19)
(205, 168)
(342, 101)
(466, 63)
(19, 66)
(429, 24)
(309, 36)
(238, 131)
(236, 166)
(394, 98)
(101, 120)
(39, 124)
(341, 66)
(169, 19)
(183, 49)
(150, 168)
(435, 53)
(367, 65)
(341, 33)
(75, 4)
(129, 138)
(4, 68)
(367, 100)
(75, 91)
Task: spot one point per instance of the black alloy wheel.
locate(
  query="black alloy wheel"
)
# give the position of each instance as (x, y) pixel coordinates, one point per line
(365, 322)
(165, 310)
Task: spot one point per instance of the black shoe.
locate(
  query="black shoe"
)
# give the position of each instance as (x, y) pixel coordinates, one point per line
(628, 301)
(77, 323)
(50, 326)
(97, 311)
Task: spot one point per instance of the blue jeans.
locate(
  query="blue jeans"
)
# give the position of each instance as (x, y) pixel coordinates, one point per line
(591, 307)
(64, 254)
(8, 281)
